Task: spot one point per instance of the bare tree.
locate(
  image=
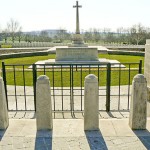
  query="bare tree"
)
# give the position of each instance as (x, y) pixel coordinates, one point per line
(19, 34)
(88, 35)
(96, 35)
(61, 34)
(138, 33)
(13, 27)
(5, 35)
(44, 37)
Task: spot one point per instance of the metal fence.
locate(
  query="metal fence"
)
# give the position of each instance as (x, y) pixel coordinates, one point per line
(67, 85)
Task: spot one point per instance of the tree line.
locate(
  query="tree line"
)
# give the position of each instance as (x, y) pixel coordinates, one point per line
(137, 34)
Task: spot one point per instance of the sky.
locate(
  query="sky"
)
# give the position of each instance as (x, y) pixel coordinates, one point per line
(35, 15)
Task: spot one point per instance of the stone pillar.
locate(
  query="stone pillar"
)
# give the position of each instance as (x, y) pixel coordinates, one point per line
(147, 72)
(43, 104)
(138, 106)
(91, 103)
(4, 121)
(148, 101)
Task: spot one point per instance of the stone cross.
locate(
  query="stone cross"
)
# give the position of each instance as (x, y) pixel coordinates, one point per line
(77, 17)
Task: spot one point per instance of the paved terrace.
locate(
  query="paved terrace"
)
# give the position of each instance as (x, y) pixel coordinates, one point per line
(116, 102)
(68, 132)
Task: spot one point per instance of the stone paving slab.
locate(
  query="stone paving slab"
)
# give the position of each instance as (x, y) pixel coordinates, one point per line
(70, 115)
(116, 102)
(68, 134)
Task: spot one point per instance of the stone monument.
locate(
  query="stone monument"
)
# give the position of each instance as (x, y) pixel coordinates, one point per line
(77, 37)
(77, 51)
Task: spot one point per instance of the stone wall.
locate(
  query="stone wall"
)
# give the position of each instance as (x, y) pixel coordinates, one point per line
(23, 54)
(20, 50)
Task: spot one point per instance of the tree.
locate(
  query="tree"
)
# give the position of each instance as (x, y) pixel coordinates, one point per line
(61, 34)
(110, 37)
(123, 35)
(96, 35)
(138, 33)
(28, 38)
(88, 35)
(105, 33)
(13, 27)
(19, 34)
(5, 35)
(44, 36)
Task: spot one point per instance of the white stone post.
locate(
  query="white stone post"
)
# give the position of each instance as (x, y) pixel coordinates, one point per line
(147, 72)
(91, 103)
(43, 104)
(4, 121)
(138, 106)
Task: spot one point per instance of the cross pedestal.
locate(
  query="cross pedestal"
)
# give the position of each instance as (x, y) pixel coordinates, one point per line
(77, 40)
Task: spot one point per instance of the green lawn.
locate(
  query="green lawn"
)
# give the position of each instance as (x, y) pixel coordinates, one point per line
(30, 60)
(123, 58)
(59, 78)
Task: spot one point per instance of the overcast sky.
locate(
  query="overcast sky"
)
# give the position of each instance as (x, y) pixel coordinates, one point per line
(55, 14)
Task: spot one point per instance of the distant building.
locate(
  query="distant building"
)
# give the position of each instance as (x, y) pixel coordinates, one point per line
(51, 32)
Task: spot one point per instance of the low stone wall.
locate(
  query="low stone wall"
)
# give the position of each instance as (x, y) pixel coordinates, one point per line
(20, 50)
(121, 52)
(42, 51)
(23, 54)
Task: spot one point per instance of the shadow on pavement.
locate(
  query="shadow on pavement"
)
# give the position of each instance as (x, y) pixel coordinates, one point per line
(2, 132)
(43, 140)
(95, 140)
(144, 137)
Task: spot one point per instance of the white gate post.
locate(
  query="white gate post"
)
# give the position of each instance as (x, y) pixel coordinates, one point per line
(138, 107)
(91, 103)
(43, 104)
(4, 120)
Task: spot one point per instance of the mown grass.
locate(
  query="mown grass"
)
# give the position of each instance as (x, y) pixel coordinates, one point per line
(58, 78)
(31, 60)
(26, 60)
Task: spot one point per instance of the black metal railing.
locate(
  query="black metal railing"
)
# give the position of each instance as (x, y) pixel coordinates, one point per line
(67, 85)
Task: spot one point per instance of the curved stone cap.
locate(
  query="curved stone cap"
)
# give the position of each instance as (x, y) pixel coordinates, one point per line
(139, 78)
(42, 79)
(91, 78)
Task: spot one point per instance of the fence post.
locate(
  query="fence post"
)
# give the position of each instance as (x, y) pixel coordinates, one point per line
(108, 87)
(138, 106)
(34, 83)
(140, 67)
(4, 80)
(91, 103)
(4, 121)
(43, 104)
